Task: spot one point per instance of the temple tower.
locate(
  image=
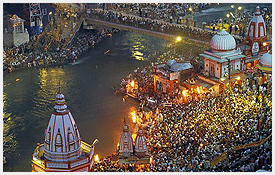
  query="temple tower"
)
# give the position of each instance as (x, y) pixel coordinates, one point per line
(63, 149)
(126, 142)
(256, 38)
(140, 144)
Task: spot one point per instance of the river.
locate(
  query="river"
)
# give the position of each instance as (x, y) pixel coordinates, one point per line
(88, 89)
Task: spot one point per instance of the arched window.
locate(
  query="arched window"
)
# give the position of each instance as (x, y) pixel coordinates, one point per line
(71, 142)
(58, 142)
(48, 139)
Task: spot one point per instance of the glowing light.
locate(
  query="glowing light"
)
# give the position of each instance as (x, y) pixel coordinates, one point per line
(178, 39)
(184, 93)
(238, 78)
(232, 6)
(227, 15)
(190, 9)
(240, 8)
(134, 116)
(222, 79)
(17, 79)
(198, 89)
(264, 44)
(132, 83)
(267, 16)
(50, 13)
(117, 145)
(96, 158)
(134, 135)
(156, 3)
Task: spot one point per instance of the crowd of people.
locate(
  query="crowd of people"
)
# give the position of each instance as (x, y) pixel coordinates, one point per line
(18, 57)
(152, 24)
(188, 137)
(161, 11)
(175, 19)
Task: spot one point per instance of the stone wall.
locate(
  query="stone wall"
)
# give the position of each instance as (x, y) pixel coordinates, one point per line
(12, 39)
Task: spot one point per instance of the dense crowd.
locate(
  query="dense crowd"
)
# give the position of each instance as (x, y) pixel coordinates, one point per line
(152, 24)
(162, 11)
(175, 19)
(187, 137)
(17, 57)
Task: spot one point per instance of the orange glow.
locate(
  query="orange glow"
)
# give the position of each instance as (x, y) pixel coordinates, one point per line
(117, 145)
(198, 89)
(134, 116)
(96, 158)
(184, 93)
(264, 44)
(132, 83)
(134, 135)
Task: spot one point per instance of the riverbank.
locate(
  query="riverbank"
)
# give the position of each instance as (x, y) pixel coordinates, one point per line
(187, 137)
(16, 59)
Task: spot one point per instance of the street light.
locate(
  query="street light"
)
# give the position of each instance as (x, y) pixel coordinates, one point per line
(227, 15)
(240, 8)
(190, 9)
(232, 6)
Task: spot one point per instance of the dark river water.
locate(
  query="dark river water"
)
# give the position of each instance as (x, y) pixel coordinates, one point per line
(88, 89)
(225, 8)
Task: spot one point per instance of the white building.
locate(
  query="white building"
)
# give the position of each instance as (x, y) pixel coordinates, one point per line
(223, 53)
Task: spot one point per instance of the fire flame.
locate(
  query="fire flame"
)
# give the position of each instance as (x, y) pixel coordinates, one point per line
(198, 89)
(134, 116)
(184, 93)
(96, 158)
(132, 83)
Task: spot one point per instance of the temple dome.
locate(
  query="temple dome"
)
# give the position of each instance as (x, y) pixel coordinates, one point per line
(126, 142)
(62, 139)
(266, 60)
(256, 27)
(223, 41)
(140, 145)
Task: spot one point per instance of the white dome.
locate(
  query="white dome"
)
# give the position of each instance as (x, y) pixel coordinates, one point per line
(266, 60)
(223, 41)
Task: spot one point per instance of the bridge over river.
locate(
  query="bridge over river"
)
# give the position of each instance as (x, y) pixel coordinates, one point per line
(161, 35)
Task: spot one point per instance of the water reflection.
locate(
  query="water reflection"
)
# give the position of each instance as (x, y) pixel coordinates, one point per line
(137, 50)
(28, 103)
(9, 140)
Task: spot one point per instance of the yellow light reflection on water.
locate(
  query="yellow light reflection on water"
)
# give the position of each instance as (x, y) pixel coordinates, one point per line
(138, 55)
(136, 52)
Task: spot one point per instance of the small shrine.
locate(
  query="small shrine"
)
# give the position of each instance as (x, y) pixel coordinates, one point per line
(129, 153)
(140, 144)
(15, 33)
(126, 142)
(62, 150)
(167, 76)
